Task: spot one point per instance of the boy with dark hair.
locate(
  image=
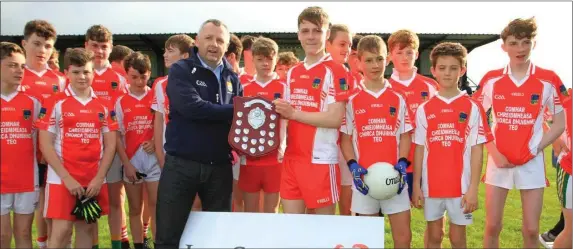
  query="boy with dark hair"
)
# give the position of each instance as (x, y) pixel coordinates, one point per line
(77, 122)
(449, 125)
(117, 58)
(519, 94)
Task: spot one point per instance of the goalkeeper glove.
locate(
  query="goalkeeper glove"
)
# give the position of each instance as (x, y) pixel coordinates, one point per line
(91, 210)
(401, 167)
(357, 173)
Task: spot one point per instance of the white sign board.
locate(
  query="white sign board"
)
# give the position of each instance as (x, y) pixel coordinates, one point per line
(261, 230)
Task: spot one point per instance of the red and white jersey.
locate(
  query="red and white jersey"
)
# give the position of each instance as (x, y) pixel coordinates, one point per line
(108, 85)
(135, 119)
(448, 128)
(119, 69)
(245, 78)
(160, 101)
(311, 88)
(533, 71)
(78, 126)
(517, 112)
(375, 120)
(157, 80)
(565, 158)
(416, 90)
(18, 132)
(267, 90)
(42, 84)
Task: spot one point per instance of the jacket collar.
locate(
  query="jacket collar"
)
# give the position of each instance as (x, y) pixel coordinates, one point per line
(194, 51)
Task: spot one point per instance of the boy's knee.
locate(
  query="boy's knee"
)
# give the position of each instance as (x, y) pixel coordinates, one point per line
(530, 231)
(493, 229)
(436, 235)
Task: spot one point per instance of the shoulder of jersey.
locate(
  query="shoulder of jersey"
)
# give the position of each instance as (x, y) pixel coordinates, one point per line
(493, 74)
(429, 80)
(545, 74)
(335, 66)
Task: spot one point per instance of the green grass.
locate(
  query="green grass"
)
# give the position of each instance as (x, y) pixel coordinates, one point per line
(510, 235)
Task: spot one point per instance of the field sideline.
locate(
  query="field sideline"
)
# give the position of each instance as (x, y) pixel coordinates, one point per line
(510, 236)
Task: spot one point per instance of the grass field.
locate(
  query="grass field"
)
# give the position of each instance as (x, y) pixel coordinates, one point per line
(510, 236)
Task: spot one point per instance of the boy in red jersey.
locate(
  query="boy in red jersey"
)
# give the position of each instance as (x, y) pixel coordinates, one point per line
(518, 98)
(77, 140)
(318, 90)
(54, 63)
(263, 173)
(19, 189)
(564, 184)
(377, 105)
(285, 61)
(450, 124)
(135, 146)
(42, 82)
(247, 72)
(176, 48)
(117, 58)
(108, 85)
(338, 46)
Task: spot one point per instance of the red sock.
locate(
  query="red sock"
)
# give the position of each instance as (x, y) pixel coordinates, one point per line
(124, 236)
(145, 227)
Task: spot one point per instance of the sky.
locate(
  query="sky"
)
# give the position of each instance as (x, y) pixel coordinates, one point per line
(553, 49)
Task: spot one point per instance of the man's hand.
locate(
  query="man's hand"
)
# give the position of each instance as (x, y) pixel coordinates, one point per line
(417, 197)
(148, 147)
(284, 108)
(470, 201)
(94, 187)
(130, 172)
(357, 173)
(73, 186)
(161, 161)
(401, 167)
(235, 157)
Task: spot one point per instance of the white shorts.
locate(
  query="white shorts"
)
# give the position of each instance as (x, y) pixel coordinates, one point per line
(20, 203)
(531, 175)
(146, 164)
(236, 170)
(345, 175)
(364, 204)
(114, 174)
(434, 209)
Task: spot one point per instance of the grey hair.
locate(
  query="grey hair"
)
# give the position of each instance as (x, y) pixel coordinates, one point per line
(217, 23)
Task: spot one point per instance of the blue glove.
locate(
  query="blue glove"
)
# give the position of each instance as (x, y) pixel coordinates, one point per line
(357, 172)
(401, 167)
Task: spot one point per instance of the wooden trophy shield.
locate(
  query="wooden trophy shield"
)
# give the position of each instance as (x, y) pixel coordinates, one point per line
(255, 128)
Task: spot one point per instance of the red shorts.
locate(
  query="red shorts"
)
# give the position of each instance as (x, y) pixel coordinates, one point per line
(317, 184)
(254, 178)
(60, 203)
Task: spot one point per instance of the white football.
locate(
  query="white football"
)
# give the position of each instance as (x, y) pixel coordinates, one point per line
(382, 180)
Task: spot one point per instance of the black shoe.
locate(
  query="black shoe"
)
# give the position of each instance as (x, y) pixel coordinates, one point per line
(125, 245)
(147, 243)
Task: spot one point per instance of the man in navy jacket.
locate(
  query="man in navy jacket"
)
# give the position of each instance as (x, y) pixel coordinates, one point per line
(198, 156)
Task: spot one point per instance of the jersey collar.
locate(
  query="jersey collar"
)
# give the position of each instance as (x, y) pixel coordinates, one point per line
(326, 57)
(39, 74)
(395, 76)
(530, 70)
(450, 100)
(376, 94)
(140, 97)
(100, 72)
(70, 92)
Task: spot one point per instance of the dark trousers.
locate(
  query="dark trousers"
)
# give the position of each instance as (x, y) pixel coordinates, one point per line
(180, 181)
(556, 230)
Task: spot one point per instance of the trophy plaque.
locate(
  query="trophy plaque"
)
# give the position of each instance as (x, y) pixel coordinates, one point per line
(255, 128)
